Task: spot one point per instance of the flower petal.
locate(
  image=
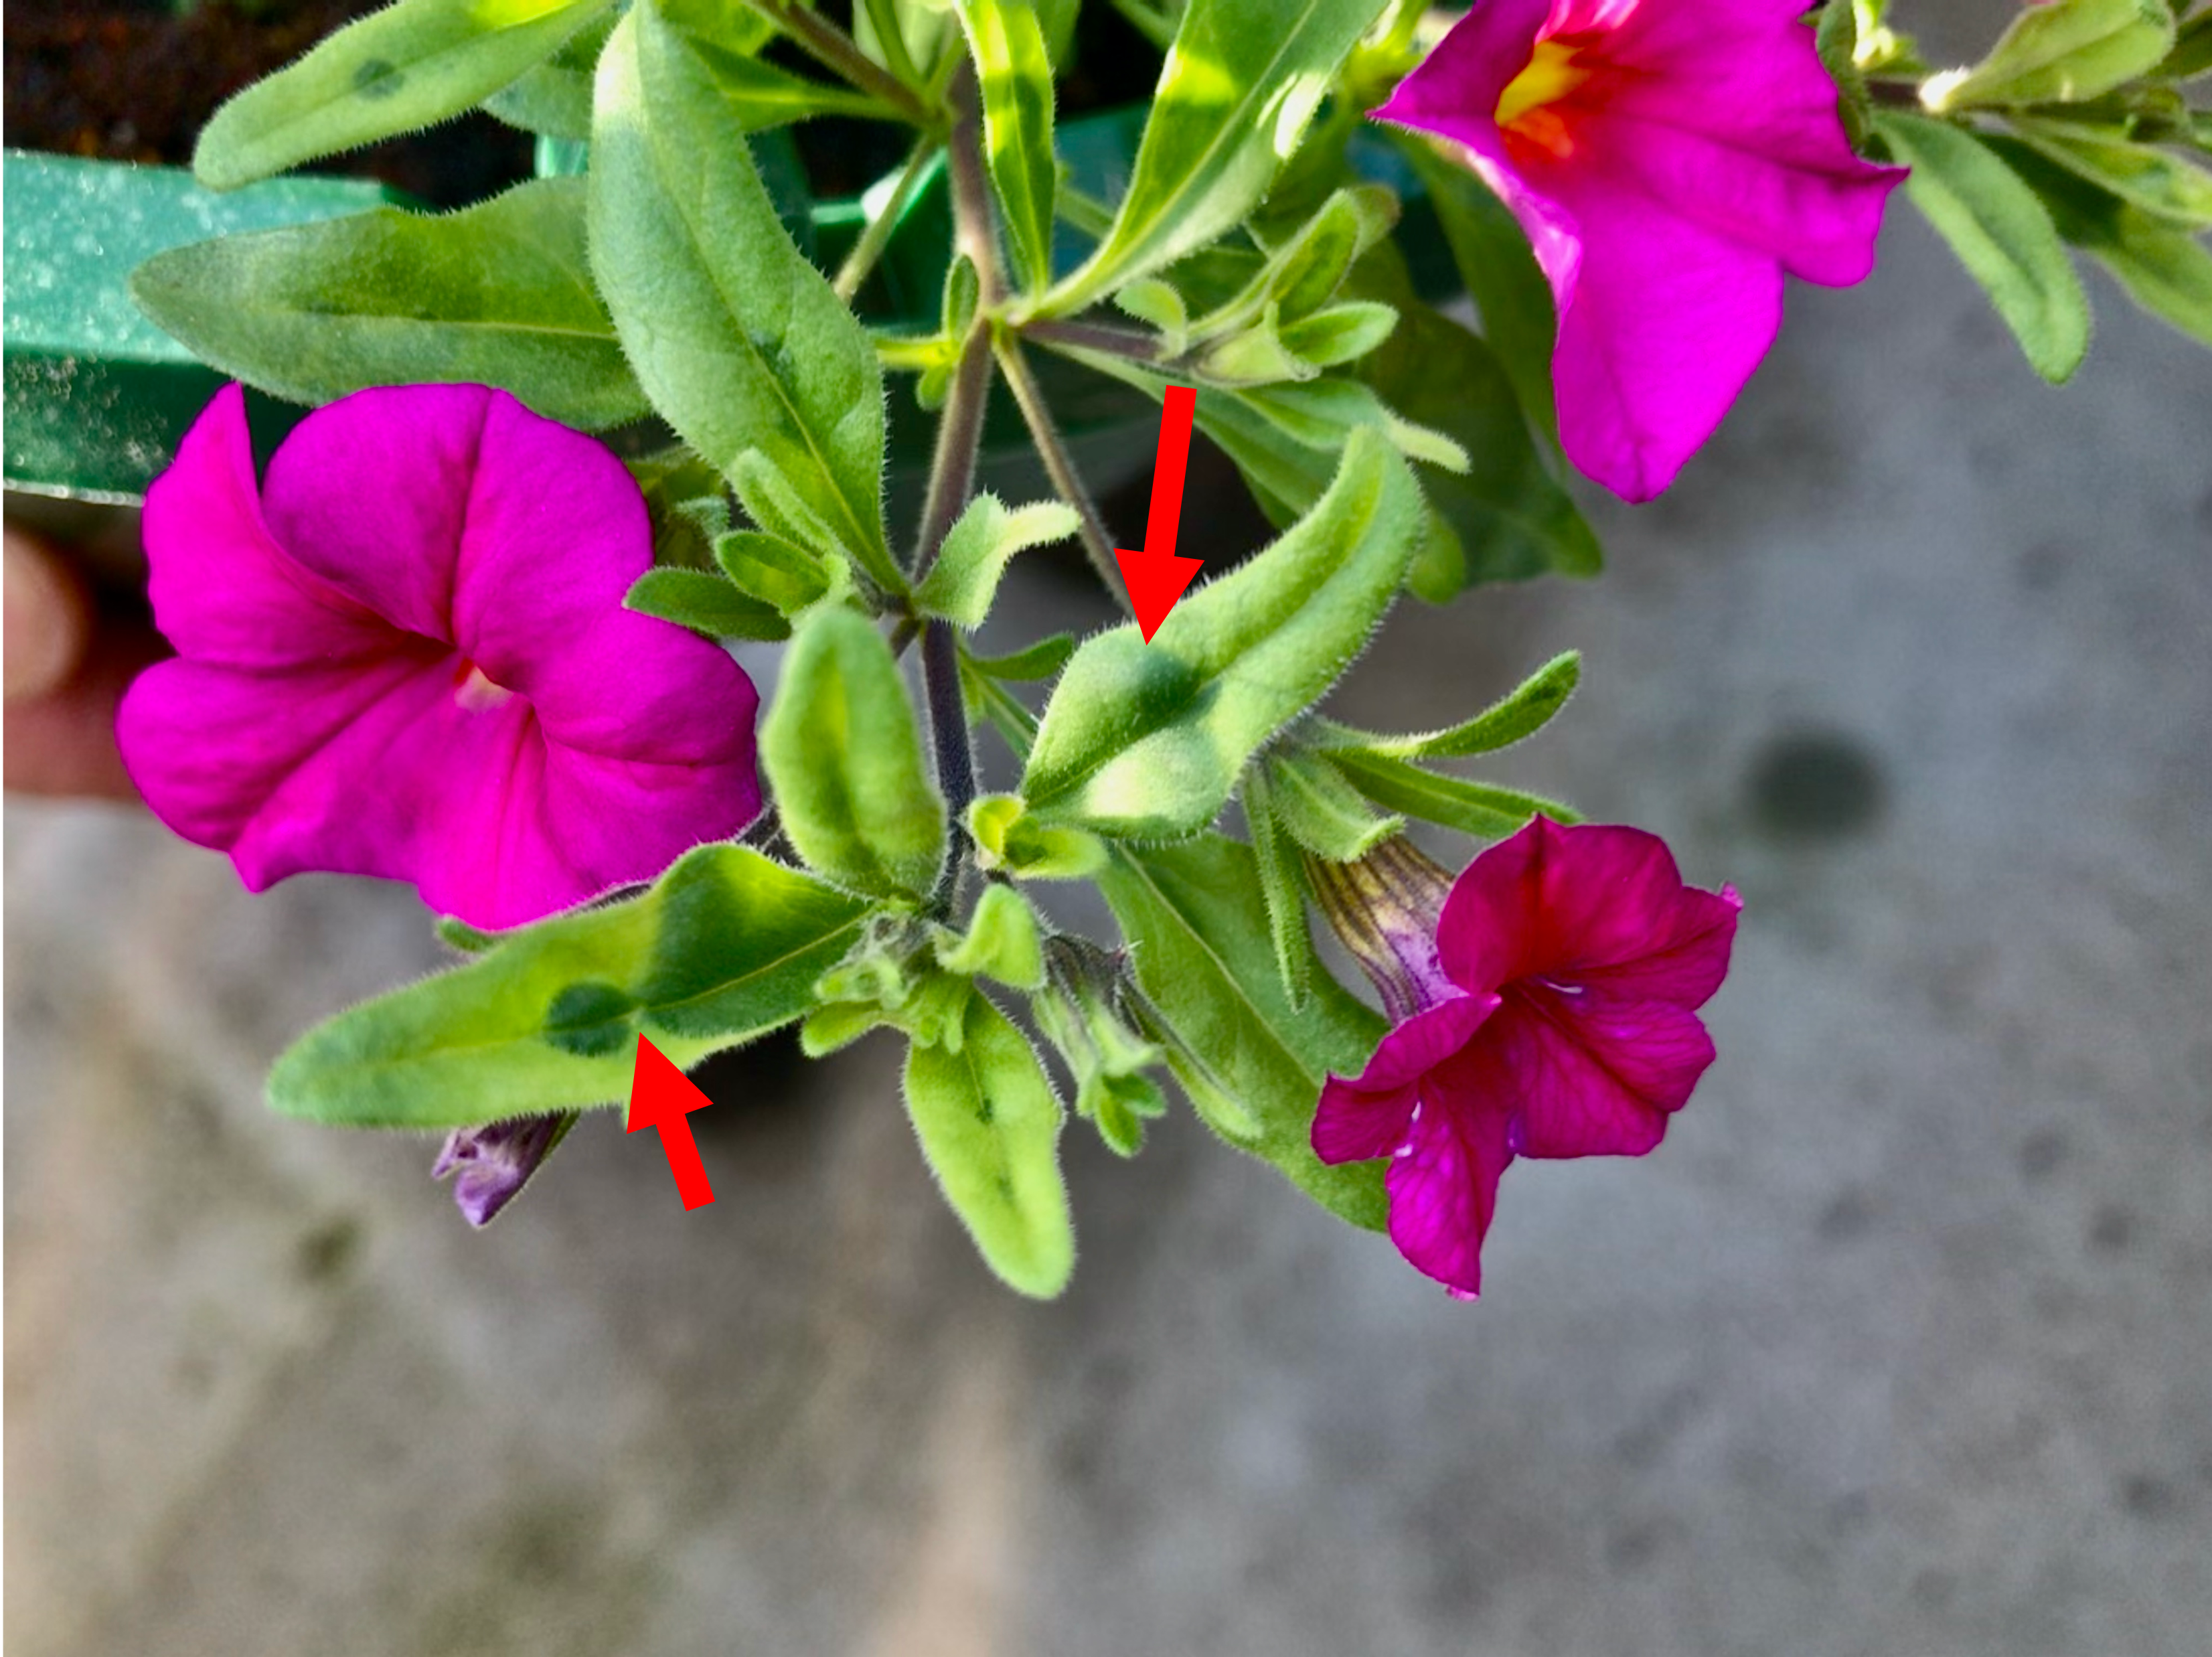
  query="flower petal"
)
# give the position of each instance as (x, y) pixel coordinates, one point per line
(371, 493)
(224, 590)
(1367, 1117)
(1584, 1075)
(1443, 1187)
(1596, 906)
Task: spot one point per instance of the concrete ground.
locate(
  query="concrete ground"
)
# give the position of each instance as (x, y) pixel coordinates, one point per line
(1899, 1344)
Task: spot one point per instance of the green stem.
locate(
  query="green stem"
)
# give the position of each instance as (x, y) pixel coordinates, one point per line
(835, 50)
(878, 232)
(890, 39)
(1060, 466)
(1095, 336)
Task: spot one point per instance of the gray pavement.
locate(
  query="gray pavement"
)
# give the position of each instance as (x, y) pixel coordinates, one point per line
(1902, 1342)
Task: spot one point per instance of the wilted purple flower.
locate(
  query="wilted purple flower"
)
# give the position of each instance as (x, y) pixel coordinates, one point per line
(491, 1163)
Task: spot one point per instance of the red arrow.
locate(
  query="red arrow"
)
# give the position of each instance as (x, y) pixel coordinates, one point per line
(661, 1095)
(1156, 578)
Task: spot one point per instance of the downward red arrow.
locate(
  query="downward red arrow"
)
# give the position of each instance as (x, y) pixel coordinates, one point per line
(1156, 578)
(662, 1096)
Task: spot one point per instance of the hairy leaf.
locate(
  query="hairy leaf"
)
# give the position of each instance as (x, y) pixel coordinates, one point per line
(961, 583)
(1473, 808)
(2061, 51)
(497, 294)
(1146, 740)
(725, 947)
(1519, 714)
(2001, 234)
(1252, 1066)
(706, 604)
(739, 342)
(989, 1124)
(1008, 41)
(845, 762)
(412, 63)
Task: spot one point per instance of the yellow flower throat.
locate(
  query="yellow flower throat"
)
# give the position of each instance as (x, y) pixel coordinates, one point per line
(1551, 76)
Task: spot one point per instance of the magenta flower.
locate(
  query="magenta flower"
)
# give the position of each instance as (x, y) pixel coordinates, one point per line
(1546, 1006)
(1669, 160)
(407, 656)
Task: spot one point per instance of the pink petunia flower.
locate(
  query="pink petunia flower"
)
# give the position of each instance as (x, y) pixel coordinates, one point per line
(1668, 160)
(406, 655)
(1545, 1005)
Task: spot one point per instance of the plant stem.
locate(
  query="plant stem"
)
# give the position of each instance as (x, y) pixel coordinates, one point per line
(1093, 336)
(835, 50)
(890, 39)
(877, 231)
(952, 478)
(1060, 465)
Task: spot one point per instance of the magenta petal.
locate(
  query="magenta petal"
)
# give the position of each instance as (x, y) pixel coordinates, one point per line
(1594, 904)
(1357, 1124)
(1458, 84)
(1367, 1117)
(223, 589)
(1443, 1187)
(1588, 1075)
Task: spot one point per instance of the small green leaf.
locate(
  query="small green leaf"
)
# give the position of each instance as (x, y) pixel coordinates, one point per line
(787, 577)
(1240, 83)
(1002, 942)
(2062, 51)
(2164, 270)
(1303, 275)
(2001, 234)
(497, 294)
(1473, 808)
(705, 603)
(1156, 302)
(1320, 810)
(1836, 37)
(1519, 323)
(2192, 48)
(1282, 887)
(1519, 714)
(1197, 930)
(1007, 837)
(1009, 46)
(1038, 661)
(1339, 333)
(961, 583)
(738, 340)
(989, 1127)
(843, 755)
(410, 65)
(1146, 740)
(2165, 186)
(726, 947)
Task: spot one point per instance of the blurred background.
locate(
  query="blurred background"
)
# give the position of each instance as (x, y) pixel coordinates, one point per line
(1899, 1344)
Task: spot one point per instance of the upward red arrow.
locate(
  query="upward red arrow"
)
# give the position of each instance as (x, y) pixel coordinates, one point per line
(662, 1096)
(1156, 578)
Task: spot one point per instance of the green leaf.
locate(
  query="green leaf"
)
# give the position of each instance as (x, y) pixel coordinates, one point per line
(726, 947)
(1007, 837)
(961, 583)
(1836, 37)
(1472, 807)
(1240, 83)
(2164, 270)
(1339, 333)
(1303, 275)
(1146, 740)
(412, 63)
(1520, 714)
(1319, 810)
(843, 755)
(989, 1127)
(1197, 930)
(1002, 942)
(1519, 323)
(497, 294)
(2060, 53)
(2192, 48)
(1282, 887)
(706, 604)
(1038, 661)
(2001, 234)
(555, 99)
(2165, 186)
(1508, 517)
(738, 339)
(1017, 79)
(772, 569)
(756, 96)
(1152, 301)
